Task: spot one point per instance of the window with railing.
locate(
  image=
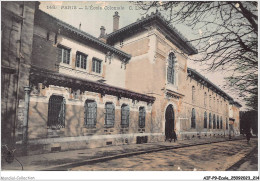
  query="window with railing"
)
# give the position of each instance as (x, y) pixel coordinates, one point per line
(81, 60)
(64, 54)
(141, 117)
(193, 118)
(90, 113)
(110, 115)
(125, 112)
(56, 112)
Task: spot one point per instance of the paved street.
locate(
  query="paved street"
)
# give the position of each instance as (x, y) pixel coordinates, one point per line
(212, 157)
(250, 162)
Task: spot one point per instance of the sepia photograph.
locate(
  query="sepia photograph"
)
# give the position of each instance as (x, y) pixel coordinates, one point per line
(169, 86)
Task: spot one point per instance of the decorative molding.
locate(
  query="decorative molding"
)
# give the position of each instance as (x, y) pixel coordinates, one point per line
(47, 77)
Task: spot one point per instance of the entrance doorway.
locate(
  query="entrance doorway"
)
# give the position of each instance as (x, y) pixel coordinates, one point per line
(169, 121)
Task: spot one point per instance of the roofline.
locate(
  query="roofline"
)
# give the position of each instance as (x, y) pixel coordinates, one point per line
(192, 71)
(50, 77)
(87, 36)
(174, 34)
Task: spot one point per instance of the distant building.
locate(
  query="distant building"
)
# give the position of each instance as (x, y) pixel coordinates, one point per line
(130, 86)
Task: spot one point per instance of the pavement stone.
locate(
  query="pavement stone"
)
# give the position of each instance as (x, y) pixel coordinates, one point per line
(52, 161)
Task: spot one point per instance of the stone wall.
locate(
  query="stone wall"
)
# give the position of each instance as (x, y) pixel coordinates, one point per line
(43, 139)
(17, 31)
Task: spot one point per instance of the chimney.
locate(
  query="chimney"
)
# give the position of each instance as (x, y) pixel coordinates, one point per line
(102, 32)
(116, 21)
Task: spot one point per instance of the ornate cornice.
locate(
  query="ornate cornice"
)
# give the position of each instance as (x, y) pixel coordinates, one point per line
(171, 33)
(171, 93)
(203, 80)
(47, 77)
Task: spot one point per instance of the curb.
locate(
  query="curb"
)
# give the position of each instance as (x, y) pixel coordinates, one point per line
(241, 161)
(64, 167)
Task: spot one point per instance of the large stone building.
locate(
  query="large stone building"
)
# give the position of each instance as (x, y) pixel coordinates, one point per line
(130, 86)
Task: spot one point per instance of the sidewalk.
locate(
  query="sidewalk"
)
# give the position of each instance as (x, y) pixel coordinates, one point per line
(68, 159)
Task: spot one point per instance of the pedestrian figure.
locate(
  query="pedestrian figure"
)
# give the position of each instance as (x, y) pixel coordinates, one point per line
(174, 135)
(248, 136)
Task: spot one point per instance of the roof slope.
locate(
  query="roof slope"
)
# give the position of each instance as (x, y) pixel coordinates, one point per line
(171, 33)
(44, 19)
(210, 84)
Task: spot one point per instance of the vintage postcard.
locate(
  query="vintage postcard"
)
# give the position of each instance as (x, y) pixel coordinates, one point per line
(129, 86)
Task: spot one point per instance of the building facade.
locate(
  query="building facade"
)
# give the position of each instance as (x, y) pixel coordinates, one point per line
(130, 86)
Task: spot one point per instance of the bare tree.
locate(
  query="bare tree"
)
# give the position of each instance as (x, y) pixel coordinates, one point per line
(226, 38)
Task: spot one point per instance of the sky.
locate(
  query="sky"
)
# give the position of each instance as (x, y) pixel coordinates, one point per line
(94, 14)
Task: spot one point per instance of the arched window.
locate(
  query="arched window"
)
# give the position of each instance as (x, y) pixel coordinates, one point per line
(90, 113)
(56, 112)
(193, 118)
(210, 121)
(110, 115)
(141, 117)
(205, 99)
(217, 122)
(226, 124)
(217, 104)
(170, 69)
(193, 94)
(221, 123)
(125, 112)
(214, 121)
(205, 119)
(210, 101)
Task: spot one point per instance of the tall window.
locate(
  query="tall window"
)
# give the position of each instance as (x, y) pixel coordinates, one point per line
(210, 101)
(217, 122)
(64, 54)
(210, 121)
(125, 112)
(56, 112)
(226, 123)
(221, 123)
(193, 118)
(96, 65)
(170, 69)
(110, 115)
(90, 113)
(141, 117)
(205, 99)
(81, 60)
(214, 121)
(193, 94)
(217, 104)
(205, 119)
